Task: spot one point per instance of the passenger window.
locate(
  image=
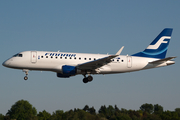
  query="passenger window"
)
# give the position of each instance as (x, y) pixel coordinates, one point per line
(79, 58)
(94, 58)
(70, 58)
(51, 56)
(60, 57)
(75, 58)
(122, 60)
(65, 57)
(89, 58)
(84, 58)
(41, 56)
(117, 60)
(56, 57)
(46, 56)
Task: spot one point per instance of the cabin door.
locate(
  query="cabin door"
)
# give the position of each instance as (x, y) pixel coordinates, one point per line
(129, 61)
(33, 56)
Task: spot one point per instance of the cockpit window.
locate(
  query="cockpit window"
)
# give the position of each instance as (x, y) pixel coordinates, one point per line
(18, 55)
(15, 55)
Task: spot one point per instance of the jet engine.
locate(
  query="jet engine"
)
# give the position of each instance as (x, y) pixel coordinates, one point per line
(67, 71)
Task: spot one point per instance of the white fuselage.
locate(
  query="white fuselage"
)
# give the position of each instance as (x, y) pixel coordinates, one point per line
(53, 61)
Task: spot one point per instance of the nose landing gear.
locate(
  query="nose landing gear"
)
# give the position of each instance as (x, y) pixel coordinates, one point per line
(25, 78)
(26, 72)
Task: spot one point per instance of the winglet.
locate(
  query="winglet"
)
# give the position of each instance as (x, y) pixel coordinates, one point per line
(120, 50)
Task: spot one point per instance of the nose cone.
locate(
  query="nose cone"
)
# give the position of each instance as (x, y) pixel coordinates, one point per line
(6, 63)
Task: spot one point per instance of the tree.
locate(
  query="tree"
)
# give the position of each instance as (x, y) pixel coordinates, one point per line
(152, 117)
(103, 109)
(168, 115)
(22, 110)
(43, 115)
(1, 117)
(147, 108)
(158, 109)
(86, 108)
(177, 110)
(123, 117)
(89, 110)
(92, 111)
(57, 115)
(110, 111)
(116, 108)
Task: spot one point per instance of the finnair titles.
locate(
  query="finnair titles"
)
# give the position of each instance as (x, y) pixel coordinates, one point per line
(66, 65)
(61, 54)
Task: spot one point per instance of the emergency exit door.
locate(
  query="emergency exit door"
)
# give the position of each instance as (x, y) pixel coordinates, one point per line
(33, 56)
(129, 61)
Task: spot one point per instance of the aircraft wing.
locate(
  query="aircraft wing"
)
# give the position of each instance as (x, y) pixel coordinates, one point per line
(92, 65)
(162, 60)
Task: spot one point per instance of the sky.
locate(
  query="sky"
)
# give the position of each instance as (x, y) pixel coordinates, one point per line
(102, 26)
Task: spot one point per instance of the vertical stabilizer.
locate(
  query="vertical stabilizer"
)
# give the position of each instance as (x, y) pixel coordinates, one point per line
(158, 47)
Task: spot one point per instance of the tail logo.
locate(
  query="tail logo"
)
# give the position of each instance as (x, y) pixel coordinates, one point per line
(159, 42)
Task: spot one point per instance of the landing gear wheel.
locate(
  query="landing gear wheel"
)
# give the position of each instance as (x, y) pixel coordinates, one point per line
(90, 78)
(26, 72)
(85, 80)
(25, 78)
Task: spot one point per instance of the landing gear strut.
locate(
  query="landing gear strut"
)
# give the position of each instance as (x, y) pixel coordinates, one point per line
(87, 79)
(26, 72)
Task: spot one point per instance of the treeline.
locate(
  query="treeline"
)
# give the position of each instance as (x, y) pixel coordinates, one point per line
(23, 110)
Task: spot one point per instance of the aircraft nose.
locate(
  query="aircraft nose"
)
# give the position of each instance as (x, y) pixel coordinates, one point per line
(6, 63)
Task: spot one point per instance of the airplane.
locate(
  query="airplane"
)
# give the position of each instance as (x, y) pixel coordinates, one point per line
(67, 64)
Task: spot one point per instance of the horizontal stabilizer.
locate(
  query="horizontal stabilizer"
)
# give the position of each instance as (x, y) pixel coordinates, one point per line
(162, 60)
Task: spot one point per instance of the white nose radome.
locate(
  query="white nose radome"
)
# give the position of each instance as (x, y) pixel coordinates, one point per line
(6, 63)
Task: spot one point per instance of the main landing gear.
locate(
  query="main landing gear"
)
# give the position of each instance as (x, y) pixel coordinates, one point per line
(87, 79)
(26, 72)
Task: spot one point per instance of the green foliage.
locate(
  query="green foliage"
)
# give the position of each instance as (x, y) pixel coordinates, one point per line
(178, 111)
(23, 110)
(86, 108)
(147, 108)
(168, 115)
(151, 117)
(123, 117)
(43, 115)
(158, 109)
(1, 117)
(89, 110)
(57, 115)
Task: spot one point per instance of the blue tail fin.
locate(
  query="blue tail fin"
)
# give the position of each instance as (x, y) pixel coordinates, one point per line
(159, 46)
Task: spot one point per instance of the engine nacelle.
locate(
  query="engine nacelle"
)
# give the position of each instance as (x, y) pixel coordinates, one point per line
(67, 71)
(63, 76)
